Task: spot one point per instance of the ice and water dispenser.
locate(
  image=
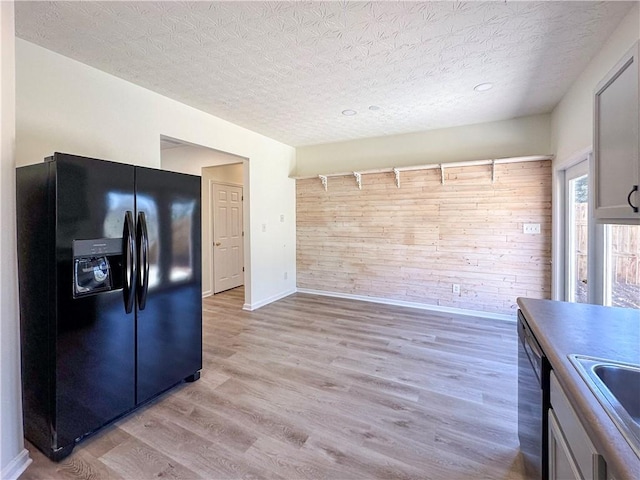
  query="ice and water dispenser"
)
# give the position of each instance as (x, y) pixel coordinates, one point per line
(97, 266)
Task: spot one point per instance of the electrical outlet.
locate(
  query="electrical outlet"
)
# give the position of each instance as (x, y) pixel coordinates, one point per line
(531, 228)
(281, 218)
(455, 288)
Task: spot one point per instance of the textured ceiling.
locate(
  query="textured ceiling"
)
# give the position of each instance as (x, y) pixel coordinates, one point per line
(288, 69)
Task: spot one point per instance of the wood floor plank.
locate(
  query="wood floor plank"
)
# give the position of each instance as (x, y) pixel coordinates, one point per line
(136, 459)
(206, 423)
(269, 454)
(203, 456)
(312, 387)
(255, 419)
(81, 465)
(109, 438)
(361, 461)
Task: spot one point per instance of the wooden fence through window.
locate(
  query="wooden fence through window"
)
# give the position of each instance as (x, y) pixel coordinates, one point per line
(625, 249)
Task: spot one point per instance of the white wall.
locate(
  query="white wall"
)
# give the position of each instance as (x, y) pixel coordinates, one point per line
(13, 457)
(192, 159)
(572, 119)
(224, 174)
(509, 138)
(198, 161)
(63, 105)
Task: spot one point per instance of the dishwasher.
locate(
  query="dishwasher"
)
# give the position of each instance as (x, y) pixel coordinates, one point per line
(533, 402)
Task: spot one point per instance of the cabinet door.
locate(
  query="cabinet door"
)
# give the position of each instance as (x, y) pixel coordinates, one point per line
(571, 448)
(562, 466)
(616, 142)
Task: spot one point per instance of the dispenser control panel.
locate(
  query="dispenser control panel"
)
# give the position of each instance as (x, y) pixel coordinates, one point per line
(98, 246)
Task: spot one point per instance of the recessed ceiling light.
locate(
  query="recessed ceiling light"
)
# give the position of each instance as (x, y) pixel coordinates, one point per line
(349, 113)
(483, 87)
(374, 108)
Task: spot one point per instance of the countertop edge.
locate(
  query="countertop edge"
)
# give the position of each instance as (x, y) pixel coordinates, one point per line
(606, 437)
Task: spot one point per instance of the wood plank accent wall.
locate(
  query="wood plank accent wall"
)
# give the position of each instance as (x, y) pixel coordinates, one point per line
(414, 242)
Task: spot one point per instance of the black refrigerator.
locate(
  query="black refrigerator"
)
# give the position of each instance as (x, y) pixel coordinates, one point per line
(109, 269)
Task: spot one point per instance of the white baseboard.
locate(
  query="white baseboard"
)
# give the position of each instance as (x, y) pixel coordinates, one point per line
(421, 306)
(17, 466)
(208, 293)
(254, 306)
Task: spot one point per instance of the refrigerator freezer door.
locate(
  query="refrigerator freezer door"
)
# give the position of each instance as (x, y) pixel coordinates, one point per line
(169, 336)
(95, 338)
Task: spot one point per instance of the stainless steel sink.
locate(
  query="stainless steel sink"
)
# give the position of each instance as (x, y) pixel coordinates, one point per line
(616, 385)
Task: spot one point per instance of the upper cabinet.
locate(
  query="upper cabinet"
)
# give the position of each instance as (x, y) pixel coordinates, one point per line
(617, 143)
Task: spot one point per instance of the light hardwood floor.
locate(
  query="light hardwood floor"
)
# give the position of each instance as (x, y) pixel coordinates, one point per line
(321, 388)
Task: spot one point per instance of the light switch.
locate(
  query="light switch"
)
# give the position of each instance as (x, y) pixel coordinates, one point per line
(264, 227)
(281, 218)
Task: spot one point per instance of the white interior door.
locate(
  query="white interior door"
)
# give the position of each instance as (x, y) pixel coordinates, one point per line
(228, 257)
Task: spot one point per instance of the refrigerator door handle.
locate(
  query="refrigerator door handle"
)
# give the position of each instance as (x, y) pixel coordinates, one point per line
(143, 258)
(130, 262)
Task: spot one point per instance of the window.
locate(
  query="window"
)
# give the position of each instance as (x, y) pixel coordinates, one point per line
(622, 266)
(601, 262)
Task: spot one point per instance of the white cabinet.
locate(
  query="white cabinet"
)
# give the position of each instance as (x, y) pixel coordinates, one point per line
(617, 143)
(561, 462)
(571, 453)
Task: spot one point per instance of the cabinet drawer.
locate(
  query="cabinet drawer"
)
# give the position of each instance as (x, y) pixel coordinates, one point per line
(585, 456)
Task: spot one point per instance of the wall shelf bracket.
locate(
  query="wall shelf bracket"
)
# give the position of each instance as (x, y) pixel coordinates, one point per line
(358, 179)
(493, 171)
(323, 179)
(396, 172)
(442, 174)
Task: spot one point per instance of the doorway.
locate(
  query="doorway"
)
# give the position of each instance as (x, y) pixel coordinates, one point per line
(577, 232)
(212, 166)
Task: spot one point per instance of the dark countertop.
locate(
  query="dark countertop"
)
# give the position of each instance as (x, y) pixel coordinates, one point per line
(610, 333)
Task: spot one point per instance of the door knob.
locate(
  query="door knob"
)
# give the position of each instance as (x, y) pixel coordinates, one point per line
(218, 244)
